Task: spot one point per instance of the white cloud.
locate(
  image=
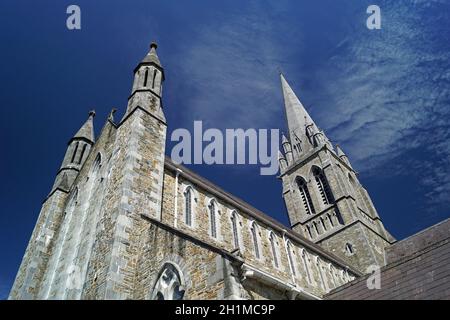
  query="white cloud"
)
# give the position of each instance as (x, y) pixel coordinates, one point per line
(392, 96)
(231, 68)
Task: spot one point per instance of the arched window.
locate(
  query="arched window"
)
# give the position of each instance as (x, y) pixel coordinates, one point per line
(322, 186)
(188, 196)
(82, 153)
(291, 257)
(213, 218)
(169, 285)
(305, 196)
(273, 246)
(305, 259)
(330, 219)
(323, 224)
(349, 248)
(308, 230)
(234, 226)
(316, 228)
(74, 153)
(254, 230)
(155, 72)
(145, 77)
(310, 133)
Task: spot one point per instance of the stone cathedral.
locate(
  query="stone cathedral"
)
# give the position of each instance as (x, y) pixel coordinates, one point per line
(123, 221)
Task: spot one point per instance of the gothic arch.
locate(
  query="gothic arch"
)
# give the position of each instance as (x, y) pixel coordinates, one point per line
(305, 196)
(291, 257)
(170, 283)
(256, 239)
(189, 205)
(322, 185)
(146, 77)
(236, 228)
(274, 248)
(213, 218)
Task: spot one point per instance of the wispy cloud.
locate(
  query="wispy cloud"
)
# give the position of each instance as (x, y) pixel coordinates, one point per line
(231, 66)
(393, 98)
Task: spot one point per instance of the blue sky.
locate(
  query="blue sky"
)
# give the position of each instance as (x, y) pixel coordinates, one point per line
(383, 95)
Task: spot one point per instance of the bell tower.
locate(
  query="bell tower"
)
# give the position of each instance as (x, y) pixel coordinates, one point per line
(325, 201)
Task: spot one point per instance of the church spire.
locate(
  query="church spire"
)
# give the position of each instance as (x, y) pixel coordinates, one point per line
(76, 154)
(297, 117)
(152, 56)
(303, 133)
(87, 129)
(146, 92)
(326, 198)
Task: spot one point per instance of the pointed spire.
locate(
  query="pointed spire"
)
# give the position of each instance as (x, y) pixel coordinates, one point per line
(296, 114)
(339, 151)
(287, 149)
(152, 56)
(282, 161)
(87, 129)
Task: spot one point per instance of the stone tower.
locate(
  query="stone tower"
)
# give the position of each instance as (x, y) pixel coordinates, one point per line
(324, 199)
(87, 237)
(40, 247)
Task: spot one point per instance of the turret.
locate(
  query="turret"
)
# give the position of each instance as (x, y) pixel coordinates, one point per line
(282, 161)
(146, 91)
(76, 154)
(287, 150)
(321, 194)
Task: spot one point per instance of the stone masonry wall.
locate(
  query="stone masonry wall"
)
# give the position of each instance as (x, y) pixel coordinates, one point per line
(351, 205)
(330, 275)
(34, 262)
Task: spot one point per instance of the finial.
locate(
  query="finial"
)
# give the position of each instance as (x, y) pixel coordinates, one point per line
(280, 72)
(92, 113)
(153, 45)
(111, 114)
